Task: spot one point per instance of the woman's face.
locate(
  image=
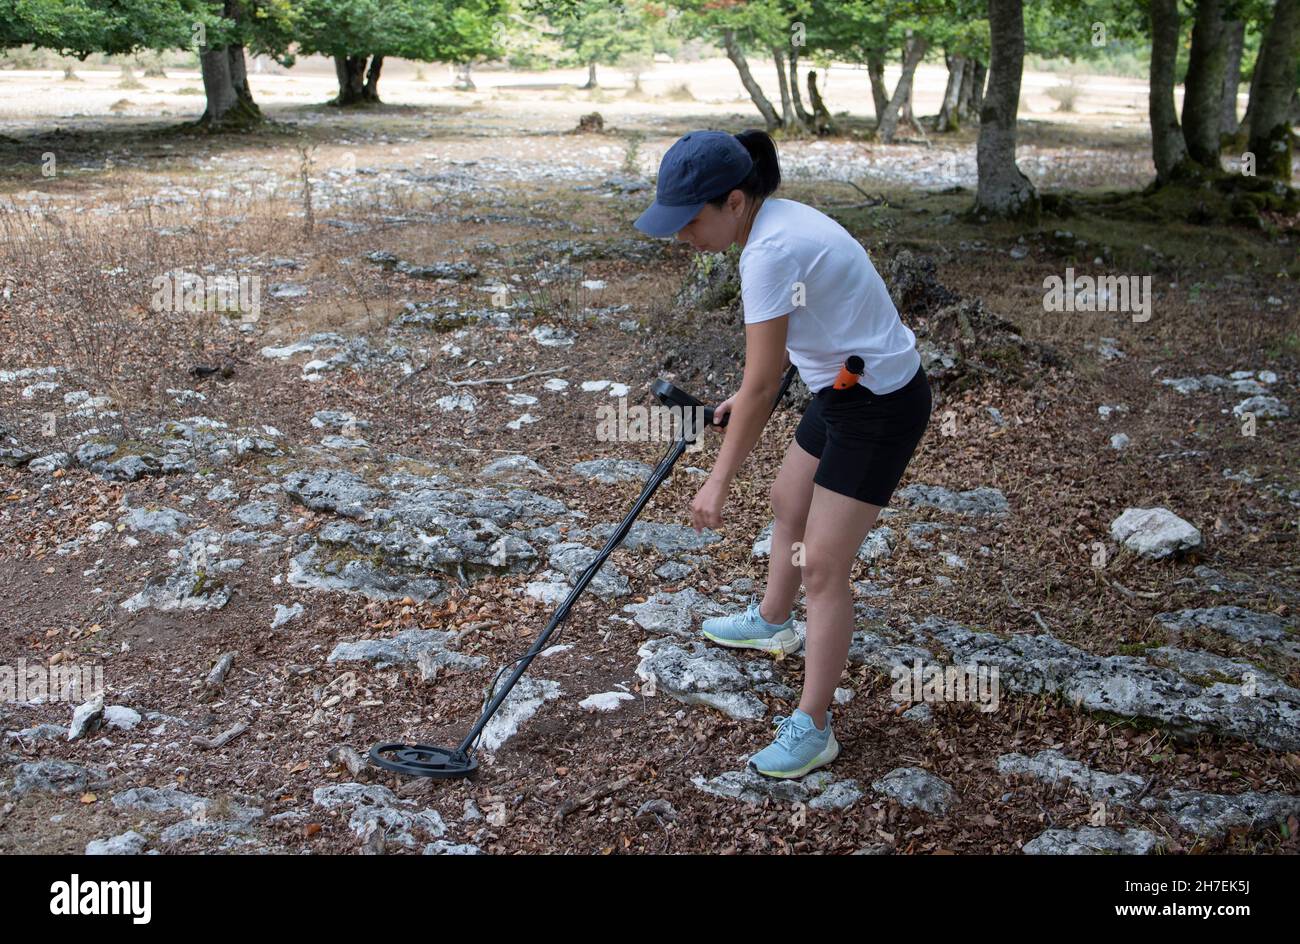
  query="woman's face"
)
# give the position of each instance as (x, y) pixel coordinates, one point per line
(714, 229)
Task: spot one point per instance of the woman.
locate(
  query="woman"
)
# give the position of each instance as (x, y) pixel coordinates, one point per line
(812, 298)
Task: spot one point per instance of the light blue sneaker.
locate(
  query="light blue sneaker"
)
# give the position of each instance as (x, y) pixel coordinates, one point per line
(799, 747)
(748, 630)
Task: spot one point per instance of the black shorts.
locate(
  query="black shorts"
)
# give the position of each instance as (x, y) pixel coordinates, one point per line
(865, 440)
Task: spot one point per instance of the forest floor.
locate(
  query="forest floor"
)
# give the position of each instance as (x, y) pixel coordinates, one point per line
(255, 496)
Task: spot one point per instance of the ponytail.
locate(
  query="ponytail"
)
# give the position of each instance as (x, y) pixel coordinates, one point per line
(765, 176)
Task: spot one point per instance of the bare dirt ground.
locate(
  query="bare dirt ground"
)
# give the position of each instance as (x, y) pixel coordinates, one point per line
(541, 218)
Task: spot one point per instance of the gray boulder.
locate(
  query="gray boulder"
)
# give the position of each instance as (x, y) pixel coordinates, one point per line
(975, 501)
(55, 776)
(1093, 840)
(523, 702)
(749, 786)
(1260, 629)
(917, 789)
(1052, 766)
(1154, 532)
(376, 804)
(704, 676)
(1122, 685)
(331, 490)
(407, 648)
(613, 471)
(674, 614)
(128, 843)
(165, 521)
(1210, 814)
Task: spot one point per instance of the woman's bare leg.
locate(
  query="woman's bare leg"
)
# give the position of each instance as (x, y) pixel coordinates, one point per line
(835, 528)
(791, 494)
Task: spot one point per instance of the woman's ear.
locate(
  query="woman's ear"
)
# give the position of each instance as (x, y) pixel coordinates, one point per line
(736, 201)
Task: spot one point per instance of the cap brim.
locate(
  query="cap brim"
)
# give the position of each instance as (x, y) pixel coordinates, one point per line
(661, 220)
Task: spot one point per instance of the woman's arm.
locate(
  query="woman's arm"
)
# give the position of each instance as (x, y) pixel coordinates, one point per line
(765, 357)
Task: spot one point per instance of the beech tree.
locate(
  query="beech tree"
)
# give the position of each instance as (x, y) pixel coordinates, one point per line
(224, 31)
(1274, 91)
(1189, 151)
(360, 34)
(1003, 190)
(597, 32)
(1167, 147)
(741, 27)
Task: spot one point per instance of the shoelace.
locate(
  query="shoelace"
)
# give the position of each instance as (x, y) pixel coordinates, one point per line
(786, 735)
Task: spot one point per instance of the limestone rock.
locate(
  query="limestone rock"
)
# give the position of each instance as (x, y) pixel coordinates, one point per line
(1093, 840)
(1154, 532)
(917, 789)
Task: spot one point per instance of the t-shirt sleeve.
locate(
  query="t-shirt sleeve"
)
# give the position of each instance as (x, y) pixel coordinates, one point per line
(768, 283)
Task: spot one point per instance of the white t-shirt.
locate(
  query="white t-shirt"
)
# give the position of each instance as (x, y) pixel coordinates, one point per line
(798, 261)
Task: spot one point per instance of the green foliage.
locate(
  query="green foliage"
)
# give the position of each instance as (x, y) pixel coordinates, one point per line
(81, 27)
(113, 27)
(758, 24)
(471, 29)
(425, 30)
(603, 32)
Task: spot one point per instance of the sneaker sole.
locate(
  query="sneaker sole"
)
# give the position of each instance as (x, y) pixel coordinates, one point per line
(782, 643)
(819, 761)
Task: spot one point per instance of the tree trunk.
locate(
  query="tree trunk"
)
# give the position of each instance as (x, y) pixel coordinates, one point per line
(977, 90)
(464, 81)
(1003, 190)
(876, 72)
(230, 104)
(591, 76)
(1236, 36)
(1270, 128)
(821, 115)
(221, 98)
(805, 119)
(1167, 147)
(967, 89)
(239, 75)
(737, 57)
(905, 116)
(354, 87)
(949, 112)
(372, 79)
(1203, 87)
(913, 49)
(787, 108)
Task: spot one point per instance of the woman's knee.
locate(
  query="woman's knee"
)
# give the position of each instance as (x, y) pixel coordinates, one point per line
(788, 506)
(823, 573)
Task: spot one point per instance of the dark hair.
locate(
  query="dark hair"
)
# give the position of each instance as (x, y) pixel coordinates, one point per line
(765, 176)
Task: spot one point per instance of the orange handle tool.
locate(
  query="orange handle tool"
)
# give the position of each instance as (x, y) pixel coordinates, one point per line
(849, 373)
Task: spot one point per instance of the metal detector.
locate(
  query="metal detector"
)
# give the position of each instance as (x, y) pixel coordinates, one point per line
(423, 760)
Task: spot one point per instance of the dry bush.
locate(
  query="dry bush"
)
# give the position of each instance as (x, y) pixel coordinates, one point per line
(1065, 94)
(82, 281)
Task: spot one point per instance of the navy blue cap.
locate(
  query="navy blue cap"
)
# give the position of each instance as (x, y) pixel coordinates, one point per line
(699, 167)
